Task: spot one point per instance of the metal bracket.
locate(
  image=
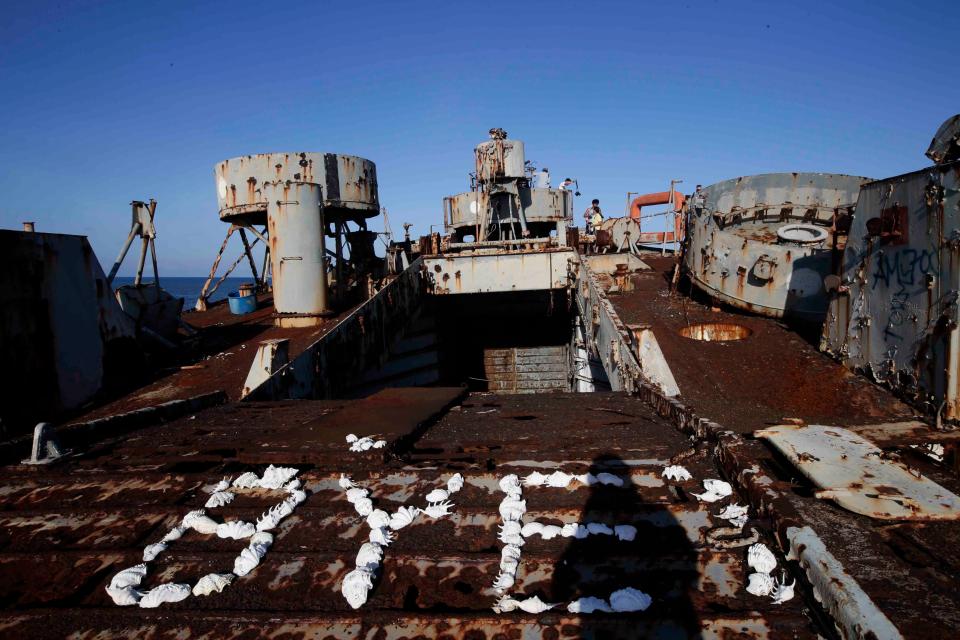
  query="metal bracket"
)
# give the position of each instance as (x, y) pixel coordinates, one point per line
(45, 447)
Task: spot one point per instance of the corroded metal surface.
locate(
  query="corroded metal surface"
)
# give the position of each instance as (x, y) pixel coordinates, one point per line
(63, 535)
(349, 183)
(854, 473)
(64, 337)
(361, 340)
(894, 311)
(734, 252)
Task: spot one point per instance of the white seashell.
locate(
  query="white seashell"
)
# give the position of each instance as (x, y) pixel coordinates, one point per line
(760, 558)
(125, 597)
(247, 480)
(598, 528)
(512, 509)
(439, 509)
(351, 438)
(455, 483)
(364, 506)
(293, 485)
(718, 487)
(174, 534)
(355, 587)
(609, 478)
(677, 473)
(535, 479)
(550, 531)
(153, 550)
(514, 539)
(626, 532)
(363, 444)
(735, 514)
(402, 517)
(559, 479)
(356, 493)
(707, 496)
(589, 479)
(629, 599)
(510, 551)
(276, 477)
(506, 604)
(168, 592)
(504, 581)
(378, 518)
(273, 516)
(381, 536)
(569, 530)
(212, 582)
(588, 605)
(510, 483)
(782, 592)
(510, 527)
(379, 444)
(437, 495)
(345, 482)
(262, 539)
(534, 605)
(531, 529)
(223, 485)
(219, 499)
(509, 565)
(129, 577)
(296, 497)
(369, 556)
(760, 584)
(199, 522)
(235, 530)
(247, 561)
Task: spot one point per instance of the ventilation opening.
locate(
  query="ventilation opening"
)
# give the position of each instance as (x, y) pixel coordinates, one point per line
(716, 332)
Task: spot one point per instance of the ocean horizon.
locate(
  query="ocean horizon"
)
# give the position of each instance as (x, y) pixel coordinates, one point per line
(188, 287)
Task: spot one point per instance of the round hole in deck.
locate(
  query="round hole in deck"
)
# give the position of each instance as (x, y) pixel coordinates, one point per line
(716, 332)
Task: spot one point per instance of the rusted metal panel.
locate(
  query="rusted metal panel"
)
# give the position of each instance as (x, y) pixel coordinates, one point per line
(349, 183)
(854, 473)
(527, 370)
(738, 253)
(539, 206)
(331, 366)
(64, 336)
(498, 272)
(894, 311)
(296, 223)
(629, 355)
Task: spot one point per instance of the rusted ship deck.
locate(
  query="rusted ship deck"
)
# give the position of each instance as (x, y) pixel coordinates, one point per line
(67, 529)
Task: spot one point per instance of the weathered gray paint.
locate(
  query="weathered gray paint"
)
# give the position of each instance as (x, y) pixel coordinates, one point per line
(894, 314)
(734, 253)
(349, 183)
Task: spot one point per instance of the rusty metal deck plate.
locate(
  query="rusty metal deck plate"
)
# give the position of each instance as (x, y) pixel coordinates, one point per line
(65, 533)
(856, 474)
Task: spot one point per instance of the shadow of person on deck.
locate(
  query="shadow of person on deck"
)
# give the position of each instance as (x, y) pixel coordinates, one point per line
(660, 561)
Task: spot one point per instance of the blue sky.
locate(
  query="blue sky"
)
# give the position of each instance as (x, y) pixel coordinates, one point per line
(103, 103)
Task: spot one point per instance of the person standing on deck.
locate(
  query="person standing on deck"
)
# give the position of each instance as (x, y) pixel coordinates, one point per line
(593, 216)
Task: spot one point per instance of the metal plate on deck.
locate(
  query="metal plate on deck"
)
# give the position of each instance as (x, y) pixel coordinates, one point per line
(854, 473)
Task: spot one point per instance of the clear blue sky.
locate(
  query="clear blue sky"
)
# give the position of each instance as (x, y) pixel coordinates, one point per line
(107, 102)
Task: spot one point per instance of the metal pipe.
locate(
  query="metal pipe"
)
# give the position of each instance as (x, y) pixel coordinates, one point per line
(246, 250)
(28, 227)
(202, 300)
(227, 273)
(499, 243)
(297, 230)
(143, 259)
(123, 252)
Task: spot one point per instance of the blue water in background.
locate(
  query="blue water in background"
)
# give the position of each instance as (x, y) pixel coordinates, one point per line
(189, 288)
